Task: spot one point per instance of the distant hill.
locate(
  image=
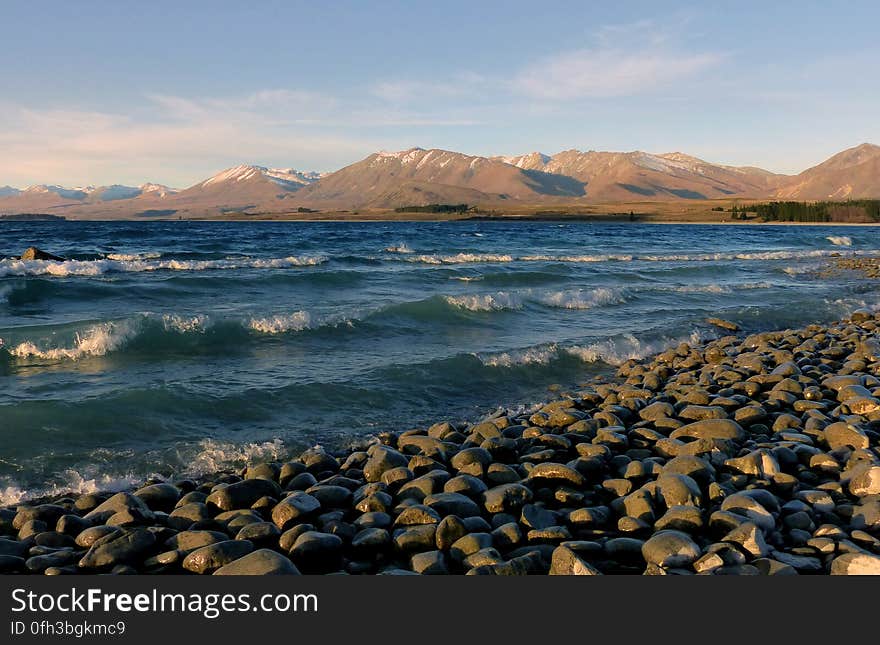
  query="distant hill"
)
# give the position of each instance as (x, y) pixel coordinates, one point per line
(851, 174)
(419, 177)
(620, 176)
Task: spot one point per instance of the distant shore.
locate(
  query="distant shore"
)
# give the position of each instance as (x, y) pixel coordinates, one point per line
(746, 455)
(640, 212)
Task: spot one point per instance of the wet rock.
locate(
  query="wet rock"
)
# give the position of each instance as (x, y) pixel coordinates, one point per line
(566, 562)
(670, 549)
(429, 563)
(294, 508)
(710, 429)
(263, 562)
(119, 547)
(749, 538)
(243, 494)
(371, 540)
(856, 564)
(506, 498)
(159, 497)
(866, 482)
(315, 552)
(452, 504)
(842, 434)
(208, 559)
(382, 458)
(33, 253)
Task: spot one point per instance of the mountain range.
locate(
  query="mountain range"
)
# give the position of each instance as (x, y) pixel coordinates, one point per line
(386, 180)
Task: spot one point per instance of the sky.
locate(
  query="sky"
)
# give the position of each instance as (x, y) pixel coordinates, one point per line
(104, 92)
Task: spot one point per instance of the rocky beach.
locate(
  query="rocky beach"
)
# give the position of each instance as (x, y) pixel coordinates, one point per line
(748, 455)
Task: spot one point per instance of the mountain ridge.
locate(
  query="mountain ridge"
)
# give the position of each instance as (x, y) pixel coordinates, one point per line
(418, 176)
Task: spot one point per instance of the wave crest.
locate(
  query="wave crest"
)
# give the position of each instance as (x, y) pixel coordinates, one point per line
(95, 341)
(297, 321)
(581, 299)
(12, 267)
(839, 240)
(486, 302)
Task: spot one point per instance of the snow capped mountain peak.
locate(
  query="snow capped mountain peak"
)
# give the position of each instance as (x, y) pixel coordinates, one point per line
(159, 190)
(61, 191)
(282, 176)
(240, 172)
(528, 161)
(385, 154)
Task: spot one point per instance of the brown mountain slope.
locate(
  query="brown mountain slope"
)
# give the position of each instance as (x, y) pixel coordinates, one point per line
(613, 176)
(851, 174)
(417, 176)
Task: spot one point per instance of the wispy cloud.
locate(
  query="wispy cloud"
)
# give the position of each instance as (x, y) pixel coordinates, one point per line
(608, 73)
(621, 60)
(178, 141)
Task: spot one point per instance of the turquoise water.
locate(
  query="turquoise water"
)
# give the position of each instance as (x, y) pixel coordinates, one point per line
(177, 347)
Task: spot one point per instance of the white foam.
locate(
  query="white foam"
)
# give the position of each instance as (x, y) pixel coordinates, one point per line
(403, 247)
(486, 302)
(185, 324)
(461, 278)
(297, 321)
(99, 267)
(72, 483)
(617, 351)
(217, 455)
(94, 341)
(577, 259)
(581, 299)
(540, 355)
(461, 258)
(839, 240)
(698, 288)
(132, 257)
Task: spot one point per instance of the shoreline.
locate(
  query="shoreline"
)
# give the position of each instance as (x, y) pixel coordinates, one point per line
(745, 455)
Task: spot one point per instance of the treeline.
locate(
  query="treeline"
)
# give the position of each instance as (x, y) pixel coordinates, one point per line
(434, 208)
(853, 211)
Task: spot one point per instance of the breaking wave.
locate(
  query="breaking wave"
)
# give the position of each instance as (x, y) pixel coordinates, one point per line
(839, 240)
(486, 302)
(297, 321)
(582, 299)
(612, 351)
(12, 267)
(468, 258)
(403, 247)
(133, 257)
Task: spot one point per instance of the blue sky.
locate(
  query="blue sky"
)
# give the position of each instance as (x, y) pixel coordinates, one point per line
(126, 92)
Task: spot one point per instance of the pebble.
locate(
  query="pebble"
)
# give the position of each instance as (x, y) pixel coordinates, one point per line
(746, 456)
(208, 559)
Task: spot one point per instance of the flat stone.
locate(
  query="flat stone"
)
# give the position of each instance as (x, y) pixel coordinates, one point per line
(710, 429)
(549, 471)
(452, 504)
